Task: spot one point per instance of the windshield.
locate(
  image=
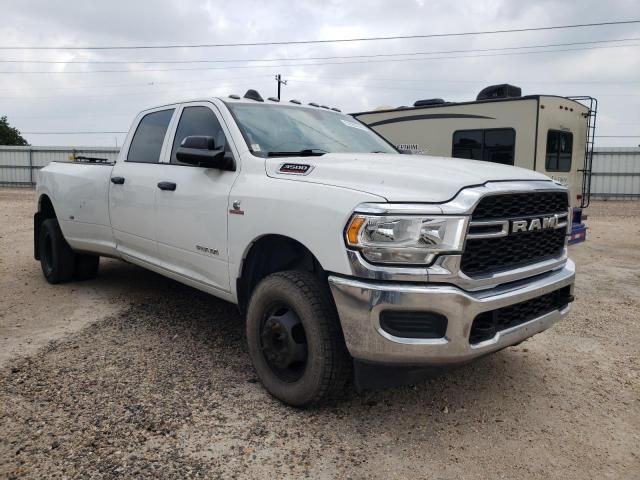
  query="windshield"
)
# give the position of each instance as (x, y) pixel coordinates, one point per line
(281, 130)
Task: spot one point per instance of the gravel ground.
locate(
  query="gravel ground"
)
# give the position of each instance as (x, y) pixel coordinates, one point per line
(134, 375)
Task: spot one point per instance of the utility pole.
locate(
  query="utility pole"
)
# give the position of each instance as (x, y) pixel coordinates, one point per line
(280, 82)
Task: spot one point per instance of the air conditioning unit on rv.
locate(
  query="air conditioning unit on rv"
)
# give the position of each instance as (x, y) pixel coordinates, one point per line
(429, 101)
(499, 91)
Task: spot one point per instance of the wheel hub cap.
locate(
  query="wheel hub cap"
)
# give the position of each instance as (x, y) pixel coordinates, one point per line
(283, 341)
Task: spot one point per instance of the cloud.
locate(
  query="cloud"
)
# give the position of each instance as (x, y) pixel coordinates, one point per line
(109, 101)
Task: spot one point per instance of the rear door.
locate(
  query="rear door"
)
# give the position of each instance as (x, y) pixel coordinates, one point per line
(133, 186)
(192, 219)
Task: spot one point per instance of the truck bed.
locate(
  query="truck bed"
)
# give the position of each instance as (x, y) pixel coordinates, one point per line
(81, 190)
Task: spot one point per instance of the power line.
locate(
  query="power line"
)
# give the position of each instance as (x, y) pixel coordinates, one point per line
(479, 81)
(303, 79)
(69, 133)
(335, 40)
(127, 93)
(333, 57)
(116, 133)
(213, 81)
(235, 67)
(414, 88)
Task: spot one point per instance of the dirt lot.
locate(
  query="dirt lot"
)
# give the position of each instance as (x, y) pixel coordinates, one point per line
(136, 375)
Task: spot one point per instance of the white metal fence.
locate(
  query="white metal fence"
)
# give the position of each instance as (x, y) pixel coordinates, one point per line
(616, 174)
(19, 166)
(616, 171)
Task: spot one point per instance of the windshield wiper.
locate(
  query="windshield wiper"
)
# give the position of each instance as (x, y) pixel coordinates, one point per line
(307, 152)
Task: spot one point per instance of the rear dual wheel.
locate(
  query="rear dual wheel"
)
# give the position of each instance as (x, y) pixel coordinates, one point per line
(295, 340)
(59, 263)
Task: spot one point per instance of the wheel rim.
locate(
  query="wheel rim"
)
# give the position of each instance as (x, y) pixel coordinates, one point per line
(283, 343)
(47, 253)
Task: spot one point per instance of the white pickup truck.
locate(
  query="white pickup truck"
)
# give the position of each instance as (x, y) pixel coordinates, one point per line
(344, 255)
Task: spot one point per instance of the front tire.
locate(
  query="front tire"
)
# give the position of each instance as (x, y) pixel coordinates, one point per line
(56, 257)
(295, 341)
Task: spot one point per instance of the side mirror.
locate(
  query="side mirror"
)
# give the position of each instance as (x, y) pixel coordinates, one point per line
(201, 151)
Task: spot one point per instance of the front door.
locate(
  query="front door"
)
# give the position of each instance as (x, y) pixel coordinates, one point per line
(192, 218)
(133, 187)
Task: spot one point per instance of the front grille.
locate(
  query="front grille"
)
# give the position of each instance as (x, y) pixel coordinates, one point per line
(487, 324)
(483, 256)
(490, 255)
(517, 205)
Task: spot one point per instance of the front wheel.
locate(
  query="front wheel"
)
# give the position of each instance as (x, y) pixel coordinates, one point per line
(295, 340)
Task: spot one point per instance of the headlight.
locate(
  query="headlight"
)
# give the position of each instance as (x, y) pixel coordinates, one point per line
(405, 239)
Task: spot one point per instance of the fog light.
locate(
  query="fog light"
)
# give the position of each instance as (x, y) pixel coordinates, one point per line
(413, 324)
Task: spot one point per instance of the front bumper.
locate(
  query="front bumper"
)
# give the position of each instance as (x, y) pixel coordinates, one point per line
(360, 304)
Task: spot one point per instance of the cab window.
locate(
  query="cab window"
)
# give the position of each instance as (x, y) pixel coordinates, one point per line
(197, 121)
(495, 145)
(147, 141)
(559, 150)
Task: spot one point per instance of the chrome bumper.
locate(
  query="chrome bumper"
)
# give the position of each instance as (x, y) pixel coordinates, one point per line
(360, 303)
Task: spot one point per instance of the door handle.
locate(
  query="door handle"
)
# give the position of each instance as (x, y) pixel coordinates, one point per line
(167, 186)
(117, 180)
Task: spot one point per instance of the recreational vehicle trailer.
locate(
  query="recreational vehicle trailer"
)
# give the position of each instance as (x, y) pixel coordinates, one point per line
(546, 133)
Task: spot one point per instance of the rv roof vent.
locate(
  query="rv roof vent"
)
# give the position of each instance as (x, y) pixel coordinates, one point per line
(428, 101)
(253, 95)
(499, 91)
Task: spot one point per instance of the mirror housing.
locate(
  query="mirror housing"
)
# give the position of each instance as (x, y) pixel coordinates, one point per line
(200, 142)
(201, 151)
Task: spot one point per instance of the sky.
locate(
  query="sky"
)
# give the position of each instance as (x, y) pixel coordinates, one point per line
(73, 97)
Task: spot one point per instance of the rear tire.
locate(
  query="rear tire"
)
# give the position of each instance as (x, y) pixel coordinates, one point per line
(86, 267)
(295, 340)
(56, 257)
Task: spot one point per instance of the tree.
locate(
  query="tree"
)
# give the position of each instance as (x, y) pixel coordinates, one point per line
(10, 135)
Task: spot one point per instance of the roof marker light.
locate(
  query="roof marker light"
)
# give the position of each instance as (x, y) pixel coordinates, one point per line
(253, 95)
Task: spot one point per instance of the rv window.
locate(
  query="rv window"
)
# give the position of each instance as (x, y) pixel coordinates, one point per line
(559, 150)
(468, 144)
(492, 145)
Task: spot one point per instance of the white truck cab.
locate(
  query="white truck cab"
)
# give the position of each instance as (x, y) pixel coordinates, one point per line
(344, 255)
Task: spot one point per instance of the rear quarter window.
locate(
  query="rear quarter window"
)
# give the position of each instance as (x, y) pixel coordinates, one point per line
(149, 137)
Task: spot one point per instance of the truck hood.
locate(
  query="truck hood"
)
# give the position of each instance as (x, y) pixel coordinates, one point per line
(397, 178)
